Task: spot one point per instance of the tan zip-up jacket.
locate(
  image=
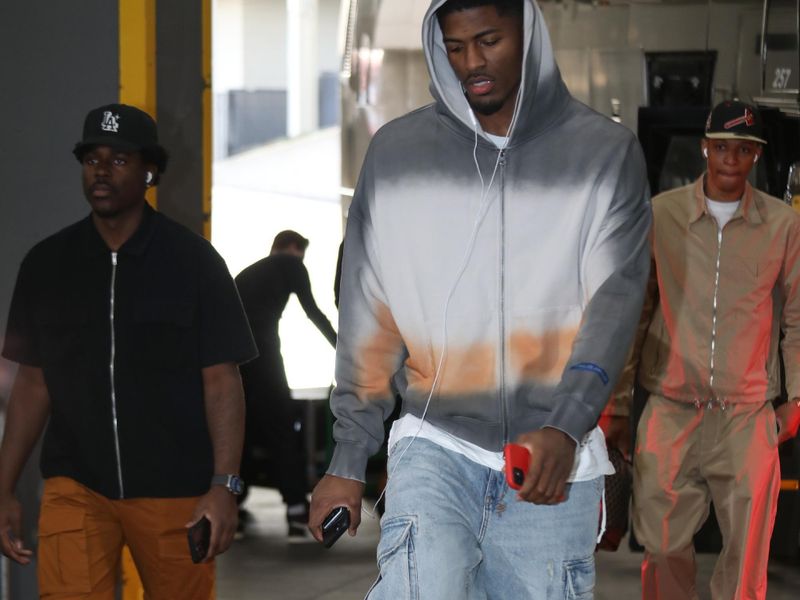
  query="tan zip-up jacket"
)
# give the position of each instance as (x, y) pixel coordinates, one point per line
(711, 320)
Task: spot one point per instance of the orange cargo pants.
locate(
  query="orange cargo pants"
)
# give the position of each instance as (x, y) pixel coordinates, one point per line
(81, 535)
(686, 456)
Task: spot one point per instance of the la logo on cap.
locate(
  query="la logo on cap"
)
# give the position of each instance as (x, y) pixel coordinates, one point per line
(110, 122)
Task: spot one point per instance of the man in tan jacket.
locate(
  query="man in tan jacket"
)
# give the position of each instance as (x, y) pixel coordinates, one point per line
(724, 285)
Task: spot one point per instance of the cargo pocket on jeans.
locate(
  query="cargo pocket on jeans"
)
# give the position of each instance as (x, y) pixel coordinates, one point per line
(579, 579)
(396, 561)
(63, 561)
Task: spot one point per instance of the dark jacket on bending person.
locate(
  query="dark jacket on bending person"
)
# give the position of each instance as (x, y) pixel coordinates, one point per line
(265, 287)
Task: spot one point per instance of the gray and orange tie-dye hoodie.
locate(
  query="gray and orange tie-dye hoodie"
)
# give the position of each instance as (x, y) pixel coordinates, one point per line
(539, 323)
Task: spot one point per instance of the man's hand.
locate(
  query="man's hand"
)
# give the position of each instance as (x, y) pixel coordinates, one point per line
(552, 456)
(788, 417)
(27, 412)
(329, 493)
(10, 528)
(219, 507)
(618, 433)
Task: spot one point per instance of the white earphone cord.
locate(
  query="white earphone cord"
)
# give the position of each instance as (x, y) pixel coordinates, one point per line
(482, 211)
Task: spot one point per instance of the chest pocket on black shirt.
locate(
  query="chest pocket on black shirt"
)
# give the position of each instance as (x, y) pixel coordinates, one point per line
(164, 331)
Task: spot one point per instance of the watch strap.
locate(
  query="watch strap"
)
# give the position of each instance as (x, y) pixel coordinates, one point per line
(233, 483)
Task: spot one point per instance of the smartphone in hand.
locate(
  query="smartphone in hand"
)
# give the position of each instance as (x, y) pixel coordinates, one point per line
(199, 536)
(517, 461)
(334, 525)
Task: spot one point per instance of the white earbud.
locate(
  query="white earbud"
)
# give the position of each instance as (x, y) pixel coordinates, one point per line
(705, 153)
(755, 160)
(148, 178)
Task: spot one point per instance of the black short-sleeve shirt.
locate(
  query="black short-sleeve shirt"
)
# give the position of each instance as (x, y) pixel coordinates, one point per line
(122, 339)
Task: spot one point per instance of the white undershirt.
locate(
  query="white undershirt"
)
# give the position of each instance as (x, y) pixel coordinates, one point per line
(722, 211)
(497, 140)
(591, 457)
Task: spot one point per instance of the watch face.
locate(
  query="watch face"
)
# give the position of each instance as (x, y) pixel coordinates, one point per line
(236, 485)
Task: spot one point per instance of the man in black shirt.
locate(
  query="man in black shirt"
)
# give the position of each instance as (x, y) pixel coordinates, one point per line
(265, 287)
(128, 329)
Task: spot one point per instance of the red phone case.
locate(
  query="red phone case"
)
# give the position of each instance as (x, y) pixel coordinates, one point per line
(517, 460)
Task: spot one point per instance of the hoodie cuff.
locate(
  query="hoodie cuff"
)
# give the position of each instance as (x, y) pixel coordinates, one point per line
(572, 416)
(349, 461)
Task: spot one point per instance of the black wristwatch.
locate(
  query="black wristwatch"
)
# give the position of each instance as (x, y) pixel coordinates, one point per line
(232, 483)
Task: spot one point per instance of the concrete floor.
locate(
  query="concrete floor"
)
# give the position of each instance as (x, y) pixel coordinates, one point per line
(264, 566)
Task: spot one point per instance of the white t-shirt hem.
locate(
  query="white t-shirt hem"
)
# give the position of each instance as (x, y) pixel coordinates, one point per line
(591, 456)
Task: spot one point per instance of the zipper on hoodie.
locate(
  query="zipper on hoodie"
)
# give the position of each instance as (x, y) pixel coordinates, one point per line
(503, 393)
(714, 314)
(111, 373)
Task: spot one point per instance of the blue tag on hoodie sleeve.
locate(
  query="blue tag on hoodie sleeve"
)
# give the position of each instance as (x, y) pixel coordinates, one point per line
(593, 368)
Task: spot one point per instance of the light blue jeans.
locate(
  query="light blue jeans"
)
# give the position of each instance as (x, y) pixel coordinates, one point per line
(454, 530)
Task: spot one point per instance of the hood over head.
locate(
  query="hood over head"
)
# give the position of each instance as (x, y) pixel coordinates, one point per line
(543, 95)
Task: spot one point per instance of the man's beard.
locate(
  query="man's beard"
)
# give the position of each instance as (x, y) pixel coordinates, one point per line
(486, 107)
(107, 213)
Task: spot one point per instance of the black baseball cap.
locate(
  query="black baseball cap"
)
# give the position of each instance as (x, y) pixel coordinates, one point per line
(734, 120)
(123, 127)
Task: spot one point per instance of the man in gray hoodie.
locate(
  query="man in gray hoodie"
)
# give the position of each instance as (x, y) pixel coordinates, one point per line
(536, 209)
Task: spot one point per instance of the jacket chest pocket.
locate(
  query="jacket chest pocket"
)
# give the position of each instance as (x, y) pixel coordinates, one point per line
(753, 271)
(163, 334)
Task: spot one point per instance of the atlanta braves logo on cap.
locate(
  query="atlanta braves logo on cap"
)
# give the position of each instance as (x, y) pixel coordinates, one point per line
(747, 119)
(732, 119)
(110, 122)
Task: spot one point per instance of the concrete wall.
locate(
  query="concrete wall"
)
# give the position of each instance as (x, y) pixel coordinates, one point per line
(227, 57)
(264, 44)
(251, 71)
(57, 63)
(180, 110)
(599, 47)
(329, 59)
(251, 53)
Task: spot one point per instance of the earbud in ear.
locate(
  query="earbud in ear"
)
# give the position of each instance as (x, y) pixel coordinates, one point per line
(705, 153)
(148, 178)
(755, 160)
